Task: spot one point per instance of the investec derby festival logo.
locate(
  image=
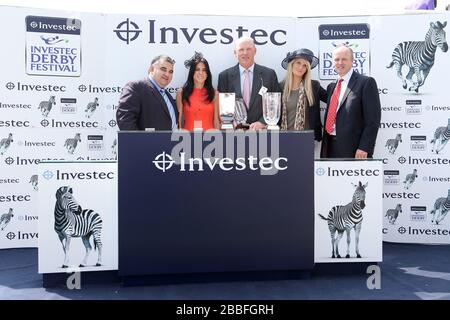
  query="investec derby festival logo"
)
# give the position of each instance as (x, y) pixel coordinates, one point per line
(418, 56)
(53, 46)
(127, 31)
(354, 36)
(251, 153)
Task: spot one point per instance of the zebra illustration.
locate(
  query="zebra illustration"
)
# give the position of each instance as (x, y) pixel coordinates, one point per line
(71, 143)
(91, 107)
(5, 219)
(114, 148)
(345, 218)
(419, 55)
(72, 221)
(392, 214)
(392, 144)
(410, 178)
(441, 137)
(34, 181)
(5, 143)
(441, 208)
(46, 106)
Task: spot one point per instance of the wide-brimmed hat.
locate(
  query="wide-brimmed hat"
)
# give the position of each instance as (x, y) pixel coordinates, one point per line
(303, 53)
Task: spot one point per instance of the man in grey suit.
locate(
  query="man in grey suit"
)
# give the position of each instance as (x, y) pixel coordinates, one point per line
(146, 103)
(246, 79)
(353, 115)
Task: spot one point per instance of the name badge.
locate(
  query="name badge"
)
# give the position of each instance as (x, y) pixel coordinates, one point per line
(262, 90)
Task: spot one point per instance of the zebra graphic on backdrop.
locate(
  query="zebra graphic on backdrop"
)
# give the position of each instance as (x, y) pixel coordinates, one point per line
(5, 219)
(392, 144)
(440, 209)
(440, 138)
(71, 143)
(418, 56)
(5, 143)
(72, 221)
(392, 214)
(345, 218)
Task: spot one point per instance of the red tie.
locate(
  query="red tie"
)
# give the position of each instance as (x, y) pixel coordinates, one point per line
(331, 116)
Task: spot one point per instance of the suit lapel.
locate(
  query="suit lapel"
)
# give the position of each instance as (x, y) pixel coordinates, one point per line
(257, 79)
(236, 81)
(351, 84)
(154, 91)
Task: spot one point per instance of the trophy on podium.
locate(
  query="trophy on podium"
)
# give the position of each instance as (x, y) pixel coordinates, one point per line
(226, 110)
(240, 115)
(271, 109)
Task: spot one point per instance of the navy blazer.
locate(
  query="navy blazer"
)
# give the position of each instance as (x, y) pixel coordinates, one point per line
(142, 106)
(358, 117)
(230, 81)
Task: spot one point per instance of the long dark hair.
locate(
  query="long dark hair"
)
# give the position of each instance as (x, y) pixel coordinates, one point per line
(188, 87)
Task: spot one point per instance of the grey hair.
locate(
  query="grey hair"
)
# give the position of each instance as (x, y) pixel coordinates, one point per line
(162, 57)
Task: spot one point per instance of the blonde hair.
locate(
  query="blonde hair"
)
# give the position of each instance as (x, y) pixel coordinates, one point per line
(289, 79)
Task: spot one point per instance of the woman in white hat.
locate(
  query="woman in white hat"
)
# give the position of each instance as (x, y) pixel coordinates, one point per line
(301, 95)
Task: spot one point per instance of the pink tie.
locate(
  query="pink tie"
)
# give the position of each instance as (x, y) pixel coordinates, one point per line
(246, 88)
(331, 115)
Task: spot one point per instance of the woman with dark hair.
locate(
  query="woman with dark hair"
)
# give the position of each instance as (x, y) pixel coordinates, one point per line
(197, 101)
(301, 95)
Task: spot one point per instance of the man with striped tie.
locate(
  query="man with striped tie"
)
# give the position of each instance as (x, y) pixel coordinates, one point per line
(146, 103)
(353, 115)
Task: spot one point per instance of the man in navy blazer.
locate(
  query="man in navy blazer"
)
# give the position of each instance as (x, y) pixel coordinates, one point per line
(352, 130)
(232, 80)
(146, 103)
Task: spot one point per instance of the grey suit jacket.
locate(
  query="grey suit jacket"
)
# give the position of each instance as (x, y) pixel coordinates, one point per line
(230, 81)
(357, 119)
(142, 106)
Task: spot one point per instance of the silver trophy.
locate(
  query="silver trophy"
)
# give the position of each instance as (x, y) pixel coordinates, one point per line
(240, 115)
(226, 110)
(272, 109)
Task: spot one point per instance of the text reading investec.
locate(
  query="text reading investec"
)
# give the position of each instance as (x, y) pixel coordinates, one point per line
(60, 175)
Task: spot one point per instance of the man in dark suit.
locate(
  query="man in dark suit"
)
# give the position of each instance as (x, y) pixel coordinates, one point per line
(353, 115)
(246, 79)
(146, 103)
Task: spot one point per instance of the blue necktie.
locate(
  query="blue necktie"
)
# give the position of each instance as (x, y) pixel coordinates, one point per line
(170, 107)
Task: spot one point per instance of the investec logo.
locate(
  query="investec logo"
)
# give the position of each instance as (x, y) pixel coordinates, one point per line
(15, 198)
(352, 172)
(224, 158)
(128, 31)
(83, 175)
(15, 106)
(19, 161)
(423, 161)
(26, 143)
(52, 123)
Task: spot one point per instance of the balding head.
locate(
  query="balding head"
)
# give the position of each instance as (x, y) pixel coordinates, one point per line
(342, 60)
(245, 51)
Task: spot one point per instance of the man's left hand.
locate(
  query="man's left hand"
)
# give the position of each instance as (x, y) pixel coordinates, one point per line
(360, 154)
(257, 126)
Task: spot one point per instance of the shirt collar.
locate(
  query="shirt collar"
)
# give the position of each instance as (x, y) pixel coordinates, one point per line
(155, 84)
(347, 76)
(242, 69)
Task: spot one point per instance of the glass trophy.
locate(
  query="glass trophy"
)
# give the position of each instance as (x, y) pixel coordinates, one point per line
(240, 115)
(226, 110)
(272, 109)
